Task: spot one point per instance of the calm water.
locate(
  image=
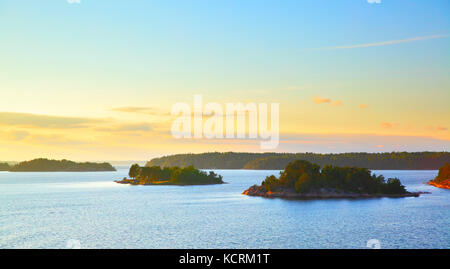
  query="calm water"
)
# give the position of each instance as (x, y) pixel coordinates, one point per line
(46, 210)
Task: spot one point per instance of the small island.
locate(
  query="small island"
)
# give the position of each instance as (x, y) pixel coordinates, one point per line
(155, 175)
(46, 165)
(443, 178)
(304, 180)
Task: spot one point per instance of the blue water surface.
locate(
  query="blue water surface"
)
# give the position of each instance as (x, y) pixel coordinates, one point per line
(50, 210)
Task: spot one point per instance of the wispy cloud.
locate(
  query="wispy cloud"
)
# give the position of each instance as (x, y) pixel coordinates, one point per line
(337, 103)
(132, 127)
(320, 100)
(135, 109)
(386, 125)
(386, 43)
(45, 121)
(14, 135)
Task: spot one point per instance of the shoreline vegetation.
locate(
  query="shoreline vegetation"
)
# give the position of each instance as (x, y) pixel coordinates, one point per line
(4, 167)
(46, 165)
(302, 180)
(442, 180)
(156, 175)
(277, 161)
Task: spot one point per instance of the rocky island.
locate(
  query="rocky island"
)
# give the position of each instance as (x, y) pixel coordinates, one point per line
(155, 175)
(46, 165)
(443, 178)
(304, 180)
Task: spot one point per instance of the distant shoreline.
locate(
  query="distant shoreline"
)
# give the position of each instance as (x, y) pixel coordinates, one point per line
(87, 171)
(46, 165)
(277, 161)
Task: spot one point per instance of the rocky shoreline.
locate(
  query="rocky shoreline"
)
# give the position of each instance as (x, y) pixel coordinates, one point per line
(442, 185)
(158, 183)
(323, 194)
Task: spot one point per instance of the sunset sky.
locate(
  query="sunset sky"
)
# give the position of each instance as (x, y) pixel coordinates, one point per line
(96, 80)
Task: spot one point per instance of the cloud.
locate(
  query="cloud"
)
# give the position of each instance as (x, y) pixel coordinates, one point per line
(15, 135)
(337, 103)
(133, 127)
(320, 143)
(45, 121)
(320, 100)
(362, 106)
(135, 109)
(55, 140)
(437, 128)
(390, 42)
(386, 125)
(374, 1)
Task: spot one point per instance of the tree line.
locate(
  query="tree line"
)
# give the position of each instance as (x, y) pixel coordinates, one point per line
(277, 161)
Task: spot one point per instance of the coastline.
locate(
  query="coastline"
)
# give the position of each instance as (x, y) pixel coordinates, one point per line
(160, 183)
(446, 185)
(292, 195)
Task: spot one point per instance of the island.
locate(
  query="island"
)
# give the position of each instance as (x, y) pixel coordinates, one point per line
(277, 161)
(155, 175)
(304, 180)
(46, 165)
(443, 178)
(4, 167)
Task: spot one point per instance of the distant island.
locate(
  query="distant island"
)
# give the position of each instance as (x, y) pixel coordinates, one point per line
(304, 180)
(46, 165)
(4, 167)
(443, 178)
(277, 161)
(156, 175)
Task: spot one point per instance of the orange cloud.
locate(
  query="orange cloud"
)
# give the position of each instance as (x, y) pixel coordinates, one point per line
(363, 106)
(437, 128)
(320, 100)
(386, 125)
(337, 103)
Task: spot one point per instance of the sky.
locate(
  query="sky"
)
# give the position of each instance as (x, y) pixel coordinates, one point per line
(96, 79)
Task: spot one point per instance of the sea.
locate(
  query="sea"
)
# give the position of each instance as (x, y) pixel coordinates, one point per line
(89, 210)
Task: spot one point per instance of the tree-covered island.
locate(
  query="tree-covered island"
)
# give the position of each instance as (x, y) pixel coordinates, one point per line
(155, 175)
(46, 165)
(443, 178)
(303, 180)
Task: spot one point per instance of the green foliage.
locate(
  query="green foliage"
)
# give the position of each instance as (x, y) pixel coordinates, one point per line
(304, 177)
(173, 175)
(46, 165)
(134, 169)
(4, 167)
(277, 161)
